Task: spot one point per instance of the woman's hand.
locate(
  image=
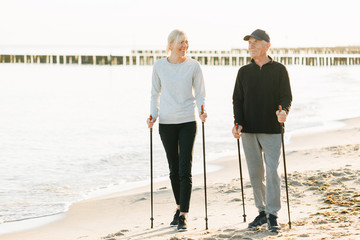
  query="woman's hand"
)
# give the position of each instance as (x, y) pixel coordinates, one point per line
(203, 117)
(151, 122)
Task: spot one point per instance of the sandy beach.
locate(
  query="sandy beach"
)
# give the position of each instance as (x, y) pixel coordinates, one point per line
(324, 191)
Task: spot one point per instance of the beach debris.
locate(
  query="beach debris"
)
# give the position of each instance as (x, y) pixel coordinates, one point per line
(300, 223)
(304, 235)
(344, 149)
(342, 203)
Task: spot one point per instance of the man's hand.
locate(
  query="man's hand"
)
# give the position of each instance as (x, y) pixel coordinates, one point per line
(281, 115)
(236, 131)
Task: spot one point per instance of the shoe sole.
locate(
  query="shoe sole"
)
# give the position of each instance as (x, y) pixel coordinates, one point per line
(275, 230)
(182, 230)
(257, 226)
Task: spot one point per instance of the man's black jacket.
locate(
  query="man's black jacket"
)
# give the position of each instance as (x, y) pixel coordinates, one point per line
(257, 95)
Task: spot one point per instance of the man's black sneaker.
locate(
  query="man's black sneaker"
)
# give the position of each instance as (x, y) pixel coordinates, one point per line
(182, 226)
(259, 220)
(175, 221)
(272, 223)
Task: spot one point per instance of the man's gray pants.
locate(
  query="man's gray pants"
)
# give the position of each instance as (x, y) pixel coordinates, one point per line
(260, 148)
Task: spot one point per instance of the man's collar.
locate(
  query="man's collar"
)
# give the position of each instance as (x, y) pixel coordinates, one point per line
(270, 62)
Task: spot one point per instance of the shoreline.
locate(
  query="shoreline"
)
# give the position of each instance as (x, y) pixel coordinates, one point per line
(83, 221)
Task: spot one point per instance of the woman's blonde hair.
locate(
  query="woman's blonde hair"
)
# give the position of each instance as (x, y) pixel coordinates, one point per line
(174, 37)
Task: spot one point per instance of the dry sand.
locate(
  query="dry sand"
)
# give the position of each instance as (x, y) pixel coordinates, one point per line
(324, 192)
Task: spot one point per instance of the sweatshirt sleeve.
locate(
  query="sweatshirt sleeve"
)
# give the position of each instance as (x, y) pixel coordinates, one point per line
(285, 91)
(238, 101)
(155, 94)
(199, 87)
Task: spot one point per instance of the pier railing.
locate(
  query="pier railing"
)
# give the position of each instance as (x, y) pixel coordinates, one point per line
(234, 57)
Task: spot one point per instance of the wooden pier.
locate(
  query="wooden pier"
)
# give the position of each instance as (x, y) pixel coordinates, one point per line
(234, 57)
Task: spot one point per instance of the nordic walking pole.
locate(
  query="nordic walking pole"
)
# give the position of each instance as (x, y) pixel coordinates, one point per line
(283, 153)
(151, 177)
(203, 137)
(241, 178)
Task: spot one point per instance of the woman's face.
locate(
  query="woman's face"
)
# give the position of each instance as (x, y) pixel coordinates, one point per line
(181, 46)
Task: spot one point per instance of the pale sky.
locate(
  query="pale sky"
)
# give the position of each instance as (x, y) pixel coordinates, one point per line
(145, 24)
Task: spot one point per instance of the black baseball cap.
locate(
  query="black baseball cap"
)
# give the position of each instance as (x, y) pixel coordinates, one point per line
(259, 35)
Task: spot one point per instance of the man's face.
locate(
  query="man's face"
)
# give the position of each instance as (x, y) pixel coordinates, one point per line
(257, 48)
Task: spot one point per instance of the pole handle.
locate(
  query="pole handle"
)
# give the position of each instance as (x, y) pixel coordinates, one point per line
(202, 109)
(150, 121)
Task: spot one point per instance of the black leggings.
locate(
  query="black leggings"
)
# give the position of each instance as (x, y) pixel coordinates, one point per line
(178, 141)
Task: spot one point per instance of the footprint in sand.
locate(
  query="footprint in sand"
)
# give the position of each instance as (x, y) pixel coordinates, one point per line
(295, 183)
(235, 200)
(224, 236)
(113, 236)
(140, 199)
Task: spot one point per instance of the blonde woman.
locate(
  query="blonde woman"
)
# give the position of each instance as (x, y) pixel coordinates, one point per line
(177, 89)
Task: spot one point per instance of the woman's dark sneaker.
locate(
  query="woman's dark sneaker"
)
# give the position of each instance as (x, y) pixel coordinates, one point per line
(182, 226)
(259, 220)
(272, 223)
(175, 221)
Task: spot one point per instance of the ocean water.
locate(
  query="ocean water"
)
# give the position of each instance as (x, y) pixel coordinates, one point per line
(69, 133)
